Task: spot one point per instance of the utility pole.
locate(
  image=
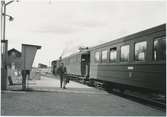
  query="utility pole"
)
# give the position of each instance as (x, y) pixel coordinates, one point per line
(3, 14)
(4, 44)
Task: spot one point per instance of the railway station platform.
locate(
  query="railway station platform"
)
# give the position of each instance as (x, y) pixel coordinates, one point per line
(47, 99)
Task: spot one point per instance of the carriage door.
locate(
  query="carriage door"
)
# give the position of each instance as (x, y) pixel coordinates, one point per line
(85, 64)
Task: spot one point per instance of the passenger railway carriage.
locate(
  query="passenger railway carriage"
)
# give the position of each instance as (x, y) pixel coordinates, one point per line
(137, 61)
(78, 64)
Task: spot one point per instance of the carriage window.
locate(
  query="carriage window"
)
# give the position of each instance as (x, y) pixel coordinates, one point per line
(113, 54)
(104, 55)
(140, 51)
(97, 56)
(159, 49)
(125, 53)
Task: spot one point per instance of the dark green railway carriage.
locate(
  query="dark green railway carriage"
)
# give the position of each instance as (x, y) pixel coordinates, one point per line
(78, 64)
(135, 61)
(138, 60)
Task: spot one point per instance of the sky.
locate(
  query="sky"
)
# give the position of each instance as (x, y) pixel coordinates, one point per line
(62, 26)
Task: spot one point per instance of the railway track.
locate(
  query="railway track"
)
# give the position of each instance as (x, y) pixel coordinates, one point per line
(142, 98)
(153, 100)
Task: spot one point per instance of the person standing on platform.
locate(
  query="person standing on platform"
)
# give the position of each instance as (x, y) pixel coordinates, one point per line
(61, 71)
(10, 75)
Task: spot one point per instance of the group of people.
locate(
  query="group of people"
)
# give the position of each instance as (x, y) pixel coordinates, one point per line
(62, 71)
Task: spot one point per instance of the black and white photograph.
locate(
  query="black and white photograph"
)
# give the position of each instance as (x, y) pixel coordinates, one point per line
(83, 57)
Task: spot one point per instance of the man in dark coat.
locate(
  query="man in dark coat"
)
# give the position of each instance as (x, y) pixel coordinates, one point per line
(61, 71)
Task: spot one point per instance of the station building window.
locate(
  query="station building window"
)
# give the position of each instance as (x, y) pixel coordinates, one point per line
(14, 54)
(125, 53)
(140, 51)
(160, 49)
(97, 56)
(113, 54)
(104, 55)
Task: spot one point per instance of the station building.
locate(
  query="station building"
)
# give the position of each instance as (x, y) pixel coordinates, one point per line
(14, 65)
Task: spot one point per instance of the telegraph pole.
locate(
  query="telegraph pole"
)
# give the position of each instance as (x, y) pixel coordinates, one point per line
(4, 44)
